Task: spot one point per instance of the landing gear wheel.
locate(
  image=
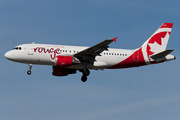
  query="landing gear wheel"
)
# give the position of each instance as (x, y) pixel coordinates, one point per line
(85, 73)
(30, 67)
(28, 72)
(84, 78)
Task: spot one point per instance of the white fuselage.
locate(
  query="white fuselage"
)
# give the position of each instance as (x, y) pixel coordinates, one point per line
(44, 54)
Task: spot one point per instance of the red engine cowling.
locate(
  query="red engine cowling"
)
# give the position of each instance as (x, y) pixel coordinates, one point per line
(59, 71)
(65, 61)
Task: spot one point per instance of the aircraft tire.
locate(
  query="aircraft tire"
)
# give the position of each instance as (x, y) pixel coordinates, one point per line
(84, 78)
(28, 72)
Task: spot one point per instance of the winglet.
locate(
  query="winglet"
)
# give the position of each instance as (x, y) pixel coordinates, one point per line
(114, 39)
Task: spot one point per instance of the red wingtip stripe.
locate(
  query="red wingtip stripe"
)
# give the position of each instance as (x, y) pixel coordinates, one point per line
(114, 39)
(167, 25)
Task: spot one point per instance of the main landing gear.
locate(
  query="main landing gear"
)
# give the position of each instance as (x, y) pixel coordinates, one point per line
(29, 71)
(85, 72)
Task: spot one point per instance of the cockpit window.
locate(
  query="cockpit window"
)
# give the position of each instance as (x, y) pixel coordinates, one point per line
(17, 48)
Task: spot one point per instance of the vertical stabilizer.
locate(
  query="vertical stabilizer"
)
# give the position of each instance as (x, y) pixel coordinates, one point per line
(157, 42)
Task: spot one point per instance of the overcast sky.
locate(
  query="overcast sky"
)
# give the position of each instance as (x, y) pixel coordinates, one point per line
(145, 93)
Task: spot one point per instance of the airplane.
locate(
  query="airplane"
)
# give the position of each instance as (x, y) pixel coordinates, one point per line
(67, 60)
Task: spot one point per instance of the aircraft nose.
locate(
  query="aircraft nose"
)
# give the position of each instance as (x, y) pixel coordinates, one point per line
(8, 55)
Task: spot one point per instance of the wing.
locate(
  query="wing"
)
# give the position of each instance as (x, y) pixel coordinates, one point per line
(90, 53)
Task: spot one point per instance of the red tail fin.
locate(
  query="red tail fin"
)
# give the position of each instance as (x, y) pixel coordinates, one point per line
(157, 42)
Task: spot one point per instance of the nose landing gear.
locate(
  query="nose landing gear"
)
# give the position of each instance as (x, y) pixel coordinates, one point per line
(29, 71)
(86, 73)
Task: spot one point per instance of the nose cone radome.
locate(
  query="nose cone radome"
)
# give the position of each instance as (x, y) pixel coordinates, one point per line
(8, 55)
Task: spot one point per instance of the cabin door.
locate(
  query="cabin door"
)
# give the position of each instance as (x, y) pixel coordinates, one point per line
(31, 49)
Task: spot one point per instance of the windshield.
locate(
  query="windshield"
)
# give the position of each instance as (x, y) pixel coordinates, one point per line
(17, 48)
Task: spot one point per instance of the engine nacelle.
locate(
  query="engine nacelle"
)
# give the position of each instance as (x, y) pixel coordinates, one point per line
(65, 61)
(59, 71)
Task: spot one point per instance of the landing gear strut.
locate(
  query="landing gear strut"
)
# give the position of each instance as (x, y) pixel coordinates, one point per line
(85, 72)
(29, 71)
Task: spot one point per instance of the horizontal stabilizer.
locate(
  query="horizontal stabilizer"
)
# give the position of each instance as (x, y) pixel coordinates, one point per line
(160, 56)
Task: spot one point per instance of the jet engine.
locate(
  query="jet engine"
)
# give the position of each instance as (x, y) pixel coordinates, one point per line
(64, 61)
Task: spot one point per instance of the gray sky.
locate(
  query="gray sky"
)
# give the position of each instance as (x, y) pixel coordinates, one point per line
(149, 92)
